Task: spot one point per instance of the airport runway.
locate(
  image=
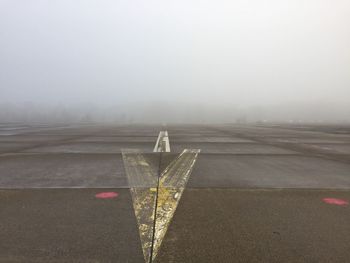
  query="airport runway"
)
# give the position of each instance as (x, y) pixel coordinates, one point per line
(257, 193)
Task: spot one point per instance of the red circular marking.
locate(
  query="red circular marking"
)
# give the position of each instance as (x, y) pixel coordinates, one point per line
(105, 195)
(335, 201)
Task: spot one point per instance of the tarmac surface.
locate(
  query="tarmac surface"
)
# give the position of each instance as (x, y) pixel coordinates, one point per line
(257, 193)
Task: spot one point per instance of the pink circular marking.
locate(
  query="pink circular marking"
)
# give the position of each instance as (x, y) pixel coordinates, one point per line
(335, 201)
(105, 195)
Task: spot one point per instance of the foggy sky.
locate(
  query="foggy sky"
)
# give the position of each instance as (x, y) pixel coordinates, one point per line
(245, 53)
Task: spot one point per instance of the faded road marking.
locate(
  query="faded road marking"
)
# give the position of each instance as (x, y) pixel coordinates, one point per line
(162, 144)
(156, 194)
(172, 183)
(335, 201)
(142, 178)
(105, 195)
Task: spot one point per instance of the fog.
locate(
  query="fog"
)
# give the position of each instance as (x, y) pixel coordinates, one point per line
(175, 61)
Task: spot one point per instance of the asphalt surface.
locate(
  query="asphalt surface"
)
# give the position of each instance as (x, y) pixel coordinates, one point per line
(234, 225)
(256, 193)
(67, 225)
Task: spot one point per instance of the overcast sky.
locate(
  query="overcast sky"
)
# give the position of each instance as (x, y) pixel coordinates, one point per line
(246, 52)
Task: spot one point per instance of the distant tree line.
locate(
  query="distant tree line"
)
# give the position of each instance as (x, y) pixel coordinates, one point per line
(160, 112)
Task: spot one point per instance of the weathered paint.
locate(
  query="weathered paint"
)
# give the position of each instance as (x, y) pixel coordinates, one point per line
(172, 183)
(162, 144)
(144, 202)
(155, 199)
(106, 195)
(335, 201)
(142, 178)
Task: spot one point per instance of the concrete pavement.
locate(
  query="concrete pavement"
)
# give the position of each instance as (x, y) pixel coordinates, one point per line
(256, 193)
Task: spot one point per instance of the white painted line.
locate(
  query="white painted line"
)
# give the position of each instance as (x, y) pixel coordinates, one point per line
(162, 144)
